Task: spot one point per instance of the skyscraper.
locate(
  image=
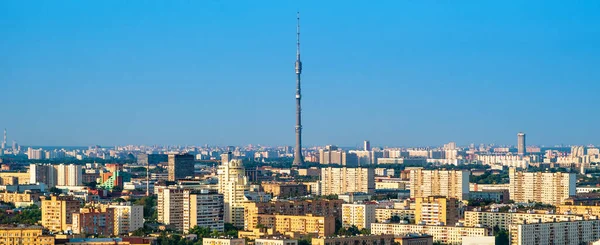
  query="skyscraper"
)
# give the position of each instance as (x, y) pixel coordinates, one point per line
(521, 143)
(180, 166)
(233, 184)
(298, 158)
(367, 146)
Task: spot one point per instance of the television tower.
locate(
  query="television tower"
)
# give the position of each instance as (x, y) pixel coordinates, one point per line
(298, 159)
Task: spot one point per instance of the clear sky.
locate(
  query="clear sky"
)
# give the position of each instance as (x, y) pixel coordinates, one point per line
(222, 72)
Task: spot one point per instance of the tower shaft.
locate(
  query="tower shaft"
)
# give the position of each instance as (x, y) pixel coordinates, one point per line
(298, 158)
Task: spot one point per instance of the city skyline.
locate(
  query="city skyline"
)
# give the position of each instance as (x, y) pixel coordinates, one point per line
(408, 74)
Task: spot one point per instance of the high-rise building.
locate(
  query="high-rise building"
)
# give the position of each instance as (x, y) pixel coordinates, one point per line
(57, 212)
(359, 215)
(170, 207)
(35, 154)
(347, 180)
(320, 207)
(521, 144)
(367, 145)
(98, 221)
(180, 166)
(298, 158)
(436, 210)
(232, 184)
(550, 188)
(203, 209)
(42, 173)
(69, 175)
(304, 224)
(448, 183)
(128, 217)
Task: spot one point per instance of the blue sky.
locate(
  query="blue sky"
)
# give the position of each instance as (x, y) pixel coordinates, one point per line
(221, 72)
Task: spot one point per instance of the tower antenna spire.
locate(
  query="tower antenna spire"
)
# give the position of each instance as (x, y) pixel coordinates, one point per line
(298, 159)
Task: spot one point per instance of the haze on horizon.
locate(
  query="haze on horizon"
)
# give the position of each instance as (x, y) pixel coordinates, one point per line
(222, 72)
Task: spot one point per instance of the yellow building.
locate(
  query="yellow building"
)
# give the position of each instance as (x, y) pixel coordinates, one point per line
(448, 183)
(445, 234)
(347, 180)
(320, 207)
(359, 215)
(550, 188)
(369, 239)
(579, 210)
(303, 224)
(505, 219)
(20, 199)
(383, 214)
(32, 235)
(436, 210)
(223, 241)
(8, 178)
(57, 212)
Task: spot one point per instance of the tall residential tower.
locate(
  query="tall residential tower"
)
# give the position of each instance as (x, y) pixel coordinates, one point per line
(521, 143)
(298, 159)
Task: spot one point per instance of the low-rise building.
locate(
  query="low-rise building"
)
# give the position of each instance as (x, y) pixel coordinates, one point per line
(578, 209)
(276, 241)
(490, 195)
(223, 241)
(284, 190)
(414, 239)
(503, 220)
(24, 235)
(370, 239)
(20, 199)
(445, 234)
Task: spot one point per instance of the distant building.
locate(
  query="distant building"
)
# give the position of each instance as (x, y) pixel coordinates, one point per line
(275, 241)
(152, 159)
(501, 196)
(504, 220)
(448, 183)
(346, 180)
(223, 241)
(521, 144)
(180, 166)
(367, 145)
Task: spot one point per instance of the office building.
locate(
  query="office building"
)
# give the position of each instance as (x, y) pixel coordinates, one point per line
(319, 207)
(24, 235)
(94, 220)
(436, 210)
(359, 215)
(303, 224)
(549, 188)
(568, 232)
(448, 183)
(346, 180)
(521, 146)
(368, 239)
(128, 217)
(151, 159)
(180, 166)
(232, 184)
(57, 212)
(451, 235)
(203, 209)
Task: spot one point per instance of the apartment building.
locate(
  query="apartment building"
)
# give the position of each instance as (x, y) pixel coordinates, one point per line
(203, 209)
(359, 215)
(24, 235)
(275, 241)
(170, 206)
(347, 180)
(303, 224)
(369, 239)
(284, 190)
(20, 199)
(448, 183)
(128, 217)
(435, 210)
(232, 184)
(578, 210)
(567, 232)
(505, 219)
(57, 212)
(223, 241)
(550, 188)
(451, 235)
(383, 214)
(320, 207)
(94, 220)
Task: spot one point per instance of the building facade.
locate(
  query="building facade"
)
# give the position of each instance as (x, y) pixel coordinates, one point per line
(128, 217)
(369, 239)
(302, 224)
(549, 188)
(232, 184)
(203, 209)
(571, 233)
(448, 183)
(93, 220)
(57, 212)
(359, 215)
(435, 210)
(320, 207)
(504, 220)
(335, 181)
(445, 234)
(170, 206)
(24, 235)
(180, 166)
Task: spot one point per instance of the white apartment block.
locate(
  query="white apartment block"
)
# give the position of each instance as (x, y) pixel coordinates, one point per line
(448, 183)
(569, 233)
(505, 219)
(128, 217)
(550, 188)
(445, 234)
(170, 206)
(359, 215)
(347, 180)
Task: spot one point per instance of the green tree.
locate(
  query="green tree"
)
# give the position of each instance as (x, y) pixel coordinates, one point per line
(55, 191)
(395, 219)
(149, 203)
(502, 237)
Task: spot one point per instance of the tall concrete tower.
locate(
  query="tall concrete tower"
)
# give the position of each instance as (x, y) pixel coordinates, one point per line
(521, 143)
(298, 158)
